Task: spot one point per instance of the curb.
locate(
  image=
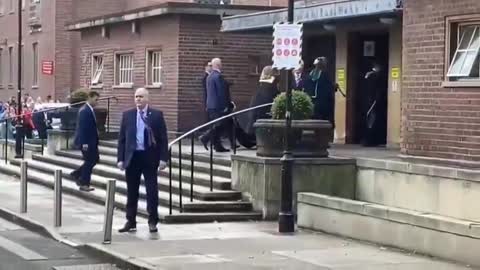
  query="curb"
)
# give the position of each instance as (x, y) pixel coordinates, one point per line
(93, 249)
(121, 260)
(34, 226)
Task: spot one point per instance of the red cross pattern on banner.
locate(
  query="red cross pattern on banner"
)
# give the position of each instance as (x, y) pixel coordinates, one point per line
(287, 45)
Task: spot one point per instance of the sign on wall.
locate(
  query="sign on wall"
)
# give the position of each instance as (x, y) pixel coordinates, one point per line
(47, 67)
(341, 79)
(287, 45)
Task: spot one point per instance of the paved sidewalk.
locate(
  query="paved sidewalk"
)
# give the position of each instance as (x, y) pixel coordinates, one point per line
(225, 246)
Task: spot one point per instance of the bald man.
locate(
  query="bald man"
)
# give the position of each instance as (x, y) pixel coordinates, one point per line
(142, 149)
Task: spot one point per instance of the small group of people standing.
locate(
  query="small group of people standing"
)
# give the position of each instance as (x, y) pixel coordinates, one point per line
(142, 150)
(321, 89)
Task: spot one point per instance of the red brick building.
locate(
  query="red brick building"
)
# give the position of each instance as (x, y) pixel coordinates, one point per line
(165, 48)
(441, 82)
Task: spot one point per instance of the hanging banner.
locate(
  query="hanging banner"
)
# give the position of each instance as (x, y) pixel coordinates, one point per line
(287, 45)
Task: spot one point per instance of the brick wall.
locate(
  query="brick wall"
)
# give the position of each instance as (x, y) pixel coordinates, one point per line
(436, 121)
(92, 8)
(66, 51)
(155, 32)
(200, 41)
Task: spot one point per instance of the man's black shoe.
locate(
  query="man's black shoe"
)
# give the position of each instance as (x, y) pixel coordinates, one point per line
(221, 149)
(152, 228)
(204, 141)
(86, 188)
(128, 228)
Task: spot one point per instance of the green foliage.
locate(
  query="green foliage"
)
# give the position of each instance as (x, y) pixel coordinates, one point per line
(302, 106)
(78, 96)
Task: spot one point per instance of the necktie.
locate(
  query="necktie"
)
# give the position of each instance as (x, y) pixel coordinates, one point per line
(149, 137)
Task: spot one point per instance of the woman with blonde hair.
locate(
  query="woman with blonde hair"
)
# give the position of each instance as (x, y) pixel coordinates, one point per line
(266, 93)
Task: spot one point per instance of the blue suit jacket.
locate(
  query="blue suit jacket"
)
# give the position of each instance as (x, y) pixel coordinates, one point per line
(86, 131)
(127, 139)
(217, 92)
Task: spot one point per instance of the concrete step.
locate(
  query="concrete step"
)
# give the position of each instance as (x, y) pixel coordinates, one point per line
(110, 148)
(110, 170)
(69, 187)
(107, 171)
(421, 232)
(99, 194)
(199, 166)
(164, 197)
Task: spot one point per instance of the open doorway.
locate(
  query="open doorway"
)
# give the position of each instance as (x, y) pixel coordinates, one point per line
(367, 100)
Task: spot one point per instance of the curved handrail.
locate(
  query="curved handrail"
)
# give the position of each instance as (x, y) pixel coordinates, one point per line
(57, 108)
(216, 121)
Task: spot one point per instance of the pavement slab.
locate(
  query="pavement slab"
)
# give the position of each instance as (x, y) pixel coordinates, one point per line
(225, 246)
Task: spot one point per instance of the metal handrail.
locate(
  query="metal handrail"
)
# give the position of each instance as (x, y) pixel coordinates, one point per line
(191, 133)
(57, 108)
(20, 117)
(216, 121)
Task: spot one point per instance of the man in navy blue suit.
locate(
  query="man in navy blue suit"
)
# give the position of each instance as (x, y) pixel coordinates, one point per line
(86, 138)
(218, 103)
(142, 149)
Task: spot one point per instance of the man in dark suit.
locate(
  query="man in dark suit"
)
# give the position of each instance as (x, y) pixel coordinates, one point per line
(86, 138)
(142, 149)
(218, 103)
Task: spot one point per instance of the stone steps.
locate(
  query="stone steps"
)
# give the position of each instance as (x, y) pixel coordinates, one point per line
(109, 147)
(199, 166)
(99, 194)
(188, 206)
(107, 168)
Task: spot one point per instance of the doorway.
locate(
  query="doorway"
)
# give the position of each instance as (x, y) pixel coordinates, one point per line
(367, 50)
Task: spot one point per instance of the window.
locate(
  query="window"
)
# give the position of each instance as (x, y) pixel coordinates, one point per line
(12, 6)
(35, 64)
(465, 62)
(10, 65)
(124, 69)
(256, 63)
(97, 70)
(154, 68)
(2, 7)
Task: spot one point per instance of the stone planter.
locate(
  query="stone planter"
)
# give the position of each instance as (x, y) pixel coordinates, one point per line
(69, 118)
(310, 138)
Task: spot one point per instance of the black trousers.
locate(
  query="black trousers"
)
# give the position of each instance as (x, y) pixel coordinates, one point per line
(214, 134)
(90, 159)
(140, 165)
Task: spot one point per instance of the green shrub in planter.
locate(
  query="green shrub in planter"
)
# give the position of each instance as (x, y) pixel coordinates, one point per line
(78, 96)
(302, 106)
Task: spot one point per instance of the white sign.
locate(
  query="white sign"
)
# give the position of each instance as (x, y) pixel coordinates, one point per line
(287, 45)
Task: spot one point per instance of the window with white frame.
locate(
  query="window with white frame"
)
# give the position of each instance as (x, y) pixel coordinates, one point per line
(97, 70)
(465, 64)
(35, 64)
(12, 5)
(10, 65)
(154, 68)
(2, 6)
(124, 69)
